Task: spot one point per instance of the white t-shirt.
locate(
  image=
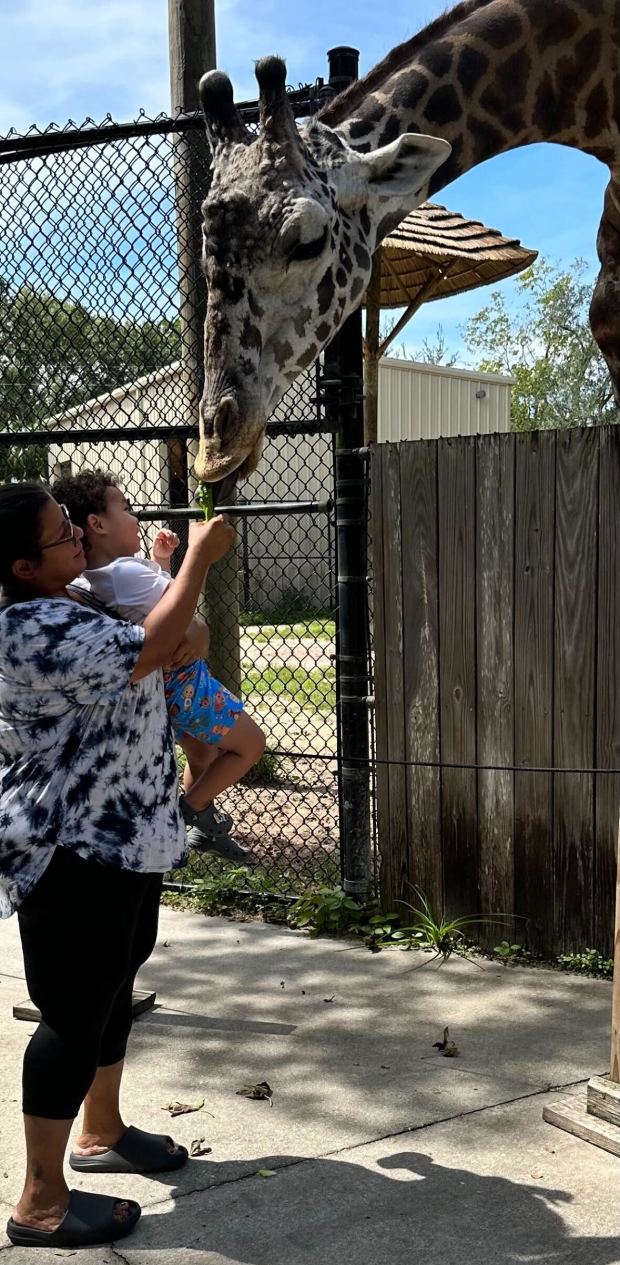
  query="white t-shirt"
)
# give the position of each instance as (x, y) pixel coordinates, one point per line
(130, 586)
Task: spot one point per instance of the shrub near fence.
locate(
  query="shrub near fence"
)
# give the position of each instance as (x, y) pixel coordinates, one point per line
(497, 626)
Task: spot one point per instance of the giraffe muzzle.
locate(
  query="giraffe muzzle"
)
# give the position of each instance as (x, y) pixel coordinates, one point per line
(226, 439)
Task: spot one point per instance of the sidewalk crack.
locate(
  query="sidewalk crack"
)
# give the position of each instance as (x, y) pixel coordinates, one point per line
(382, 1137)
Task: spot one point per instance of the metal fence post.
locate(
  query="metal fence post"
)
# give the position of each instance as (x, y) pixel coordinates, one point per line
(344, 363)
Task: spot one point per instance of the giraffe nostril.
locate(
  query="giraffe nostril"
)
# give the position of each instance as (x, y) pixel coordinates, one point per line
(224, 418)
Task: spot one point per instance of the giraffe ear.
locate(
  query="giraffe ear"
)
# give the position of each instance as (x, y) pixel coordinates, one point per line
(402, 170)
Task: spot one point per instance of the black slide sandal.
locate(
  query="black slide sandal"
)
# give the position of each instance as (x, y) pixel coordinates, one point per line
(89, 1220)
(135, 1152)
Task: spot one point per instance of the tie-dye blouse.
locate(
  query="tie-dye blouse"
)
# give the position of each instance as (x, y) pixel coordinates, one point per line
(87, 759)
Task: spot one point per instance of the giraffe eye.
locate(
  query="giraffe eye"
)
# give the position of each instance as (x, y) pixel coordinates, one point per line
(308, 250)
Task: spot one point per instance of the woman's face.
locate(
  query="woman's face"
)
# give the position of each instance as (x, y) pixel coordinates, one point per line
(61, 554)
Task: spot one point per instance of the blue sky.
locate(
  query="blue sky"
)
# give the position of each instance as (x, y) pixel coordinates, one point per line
(62, 59)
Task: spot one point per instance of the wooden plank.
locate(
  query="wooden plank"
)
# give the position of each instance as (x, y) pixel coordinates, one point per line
(574, 684)
(603, 1099)
(418, 475)
(533, 664)
(570, 1114)
(395, 881)
(495, 675)
(607, 788)
(457, 623)
(142, 1000)
(377, 532)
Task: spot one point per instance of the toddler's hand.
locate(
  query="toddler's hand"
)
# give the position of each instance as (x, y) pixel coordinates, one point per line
(164, 545)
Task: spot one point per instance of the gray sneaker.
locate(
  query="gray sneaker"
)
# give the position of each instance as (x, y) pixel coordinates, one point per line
(221, 845)
(210, 832)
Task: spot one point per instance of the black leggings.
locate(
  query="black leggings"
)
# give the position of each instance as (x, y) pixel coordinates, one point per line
(85, 929)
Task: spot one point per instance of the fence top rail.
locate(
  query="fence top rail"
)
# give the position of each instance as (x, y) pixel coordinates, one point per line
(243, 509)
(305, 100)
(127, 434)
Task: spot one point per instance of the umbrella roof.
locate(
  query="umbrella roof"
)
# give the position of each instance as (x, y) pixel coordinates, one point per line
(433, 240)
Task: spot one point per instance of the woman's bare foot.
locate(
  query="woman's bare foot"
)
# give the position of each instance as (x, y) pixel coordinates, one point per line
(105, 1140)
(47, 1216)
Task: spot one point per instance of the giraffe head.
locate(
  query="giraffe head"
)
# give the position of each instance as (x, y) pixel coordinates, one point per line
(290, 223)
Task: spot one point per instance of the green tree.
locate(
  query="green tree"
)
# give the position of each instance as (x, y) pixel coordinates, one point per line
(545, 344)
(55, 354)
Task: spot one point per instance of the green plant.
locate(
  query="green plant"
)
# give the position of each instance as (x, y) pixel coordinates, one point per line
(326, 909)
(330, 909)
(590, 962)
(445, 936)
(507, 952)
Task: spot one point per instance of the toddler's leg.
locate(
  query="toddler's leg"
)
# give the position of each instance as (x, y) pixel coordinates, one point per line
(200, 756)
(239, 750)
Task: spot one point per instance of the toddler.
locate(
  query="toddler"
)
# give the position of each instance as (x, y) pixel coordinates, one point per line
(219, 739)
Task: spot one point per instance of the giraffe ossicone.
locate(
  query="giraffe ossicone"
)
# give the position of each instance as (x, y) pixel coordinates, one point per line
(290, 224)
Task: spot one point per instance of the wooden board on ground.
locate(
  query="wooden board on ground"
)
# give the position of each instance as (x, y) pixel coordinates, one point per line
(603, 1100)
(571, 1115)
(143, 1000)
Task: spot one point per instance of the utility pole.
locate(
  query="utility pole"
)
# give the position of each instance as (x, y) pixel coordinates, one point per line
(191, 32)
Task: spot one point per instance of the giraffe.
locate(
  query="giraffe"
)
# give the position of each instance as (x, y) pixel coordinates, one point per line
(292, 217)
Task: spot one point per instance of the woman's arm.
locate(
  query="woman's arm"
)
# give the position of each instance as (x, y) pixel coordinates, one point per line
(167, 623)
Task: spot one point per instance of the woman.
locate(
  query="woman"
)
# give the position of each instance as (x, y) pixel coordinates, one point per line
(89, 823)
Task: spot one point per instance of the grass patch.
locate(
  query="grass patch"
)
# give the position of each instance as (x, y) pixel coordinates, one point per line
(316, 629)
(313, 689)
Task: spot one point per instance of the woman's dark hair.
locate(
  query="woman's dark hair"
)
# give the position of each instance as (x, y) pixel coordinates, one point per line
(20, 514)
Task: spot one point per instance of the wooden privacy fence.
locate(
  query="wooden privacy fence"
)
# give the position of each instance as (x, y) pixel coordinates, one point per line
(497, 640)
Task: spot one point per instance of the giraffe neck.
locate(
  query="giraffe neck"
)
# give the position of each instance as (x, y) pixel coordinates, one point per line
(493, 75)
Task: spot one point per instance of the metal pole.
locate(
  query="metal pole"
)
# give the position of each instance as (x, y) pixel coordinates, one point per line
(344, 361)
(614, 1073)
(191, 28)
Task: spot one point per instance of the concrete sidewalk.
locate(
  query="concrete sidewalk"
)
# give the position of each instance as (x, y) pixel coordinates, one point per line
(383, 1152)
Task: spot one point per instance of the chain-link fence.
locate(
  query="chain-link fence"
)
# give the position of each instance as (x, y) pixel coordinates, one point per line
(101, 305)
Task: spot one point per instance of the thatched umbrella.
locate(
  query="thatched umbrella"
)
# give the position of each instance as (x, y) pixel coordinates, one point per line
(432, 254)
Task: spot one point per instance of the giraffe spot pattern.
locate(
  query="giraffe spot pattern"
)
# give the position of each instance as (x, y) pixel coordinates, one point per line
(437, 58)
(250, 336)
(390, 131)
(443, 106)
(470, 67)
(597, 109)
(325, 291)
(409, 92)
(308, 357)
(356, 288)
(301, 320)
(501, 31)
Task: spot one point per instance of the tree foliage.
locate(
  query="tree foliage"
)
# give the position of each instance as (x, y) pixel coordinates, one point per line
(55, 354)
(545, 344)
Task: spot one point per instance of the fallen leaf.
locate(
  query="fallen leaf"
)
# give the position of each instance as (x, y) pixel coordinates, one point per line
(537, 1176)
(260, 1091)
(329, 998)
(446, 1047)
(197, 1148)
(183, 1108)
(266, 1172)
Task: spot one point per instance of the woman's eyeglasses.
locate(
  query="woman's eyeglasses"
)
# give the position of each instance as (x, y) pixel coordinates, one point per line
(69, 532)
